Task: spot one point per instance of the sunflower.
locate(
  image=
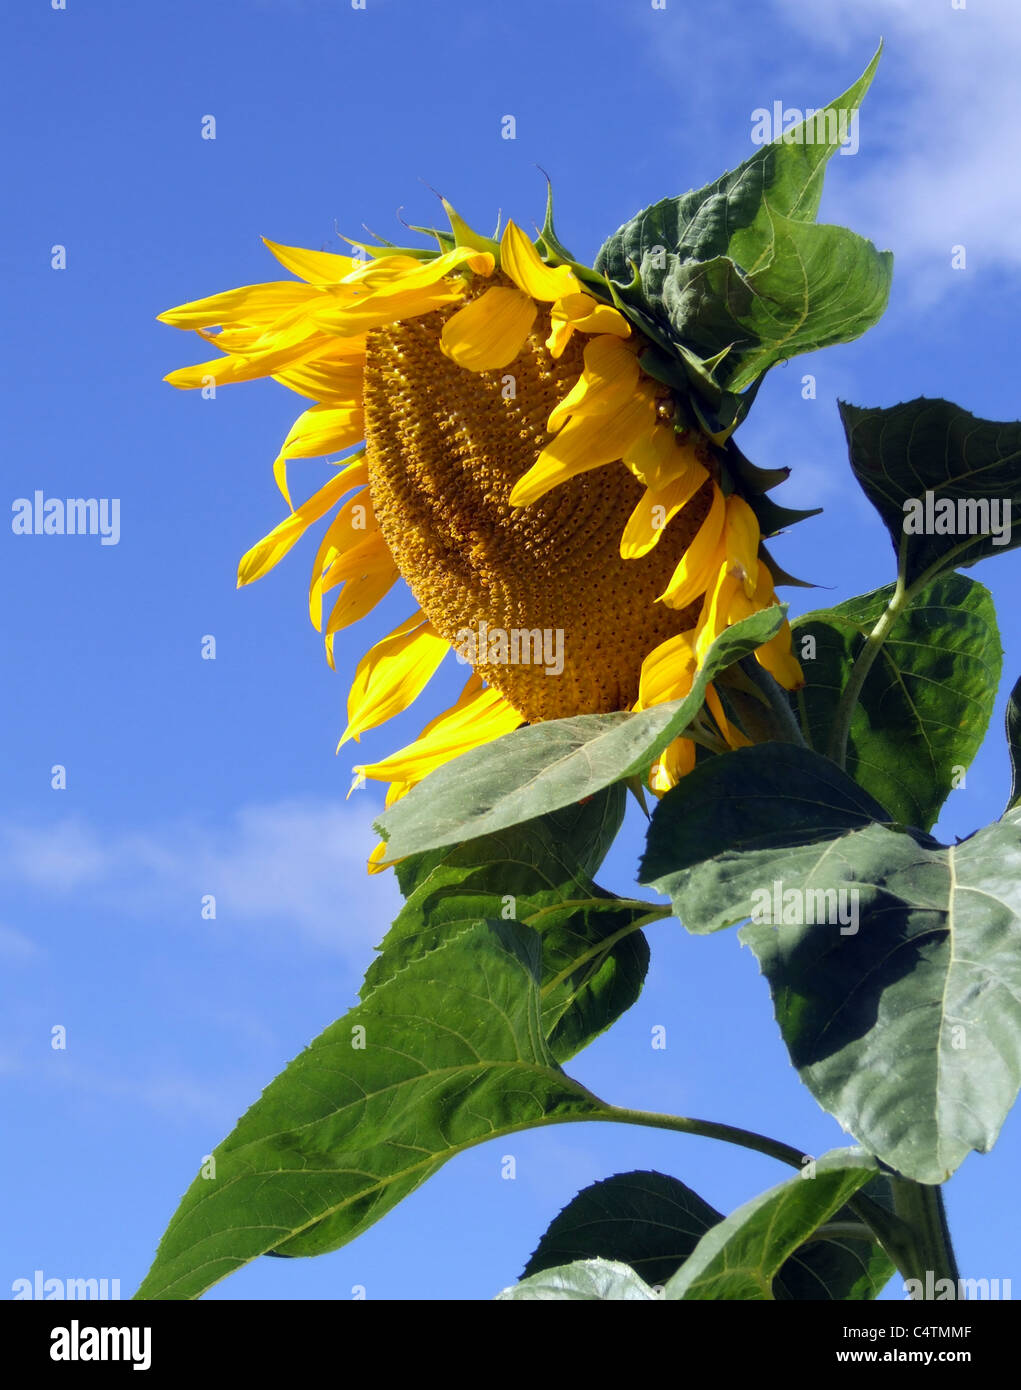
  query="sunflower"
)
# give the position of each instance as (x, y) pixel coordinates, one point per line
(506, 454)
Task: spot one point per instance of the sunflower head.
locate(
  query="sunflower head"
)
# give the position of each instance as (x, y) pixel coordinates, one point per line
(519, 450)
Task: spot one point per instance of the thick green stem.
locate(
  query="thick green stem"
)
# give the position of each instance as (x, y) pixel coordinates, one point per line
(863, 665)
(922, 1210)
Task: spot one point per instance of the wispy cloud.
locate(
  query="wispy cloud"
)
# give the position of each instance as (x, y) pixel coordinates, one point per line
(296, 864)
(16, 947)
(938, 168)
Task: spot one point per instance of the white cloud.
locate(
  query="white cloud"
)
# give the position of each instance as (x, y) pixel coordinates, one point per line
(16, 946)
(298, 865)
(941, 150)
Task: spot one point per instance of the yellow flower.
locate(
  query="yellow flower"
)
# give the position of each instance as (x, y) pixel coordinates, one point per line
(515, 465)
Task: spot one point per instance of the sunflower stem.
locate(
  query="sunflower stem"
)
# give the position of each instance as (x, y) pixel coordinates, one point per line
(788, 730)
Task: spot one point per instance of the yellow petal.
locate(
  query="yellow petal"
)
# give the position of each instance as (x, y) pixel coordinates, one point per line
(489, 332)
(392, 674)
(733, 736)
(479, 716)
(699, 564)
(675, 762)
(521, 261)
(561, 331)
(741, 541)
(776, 657)
(662, 455)
(667, 672)
(376, 577)
(252, 305)
(330, 377)
(350, 318)
(608, 378)
(225, 371)
(584, 444)
(427, 273)
(370, 553)
(317, 267)
(713, 617)
(323, 429)
(272, 548)
(650, 518)
(582, 313)
(353, 524)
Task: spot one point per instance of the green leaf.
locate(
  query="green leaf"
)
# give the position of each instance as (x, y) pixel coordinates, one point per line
(933, 456)
(740, 267)
(741, 1257)
(926, 702)
(822, 285)
(649, 1221)
(453, 1055)
(553, 764)
(892, 946)
(594, 958)
(1014, 745)
(586, 1281)
(654, 1223)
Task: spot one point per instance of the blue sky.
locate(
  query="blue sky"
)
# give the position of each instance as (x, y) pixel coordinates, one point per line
(187, 776)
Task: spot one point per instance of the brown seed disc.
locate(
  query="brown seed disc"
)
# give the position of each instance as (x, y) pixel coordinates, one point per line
(444, 447)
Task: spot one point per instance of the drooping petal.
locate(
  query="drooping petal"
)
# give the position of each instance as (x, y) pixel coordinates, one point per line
(667, 672)
(323, 429)
(715, 608)
(675, 762)
(392, 674)
(700, 562)
(330, 377)
(251, 305)
(655, 510)
(741, 541)
(360, 594)
(521, 261)
(480, 715)
(489, 332)
(272, 548)
(317, 267)
(584, 444)
(732, 735)
(427, 273)
(349, 318)
(226, 371)
(583, 314)
(609, 377)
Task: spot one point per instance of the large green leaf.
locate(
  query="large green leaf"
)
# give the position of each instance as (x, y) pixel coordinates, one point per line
(594, 958)
(895, 969)
(585, 1281)
(740, 267)
(742, 1256)
(653, 1223)
(453, 1055)
(933, 457)
(553, 764)
(927, 700)
(1014, 745)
